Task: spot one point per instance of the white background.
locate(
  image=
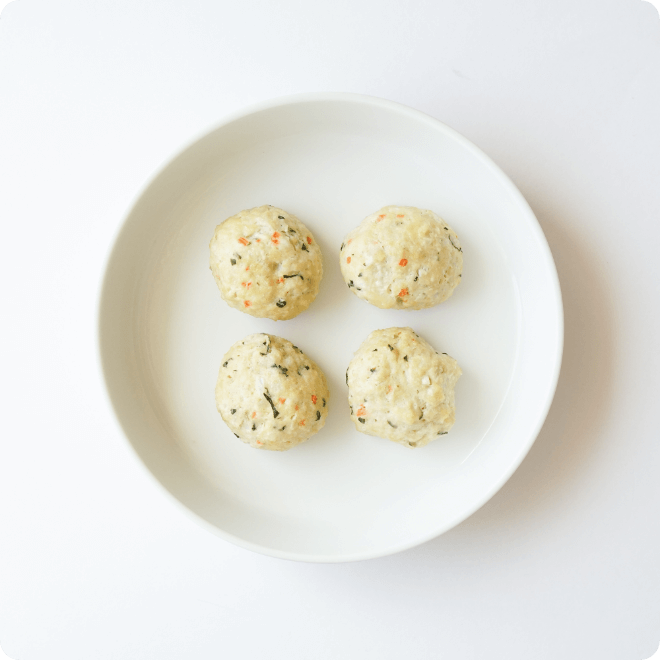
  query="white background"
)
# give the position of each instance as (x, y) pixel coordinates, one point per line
(562, 563)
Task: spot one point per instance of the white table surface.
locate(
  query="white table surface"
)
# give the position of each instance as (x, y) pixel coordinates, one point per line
(563, 562)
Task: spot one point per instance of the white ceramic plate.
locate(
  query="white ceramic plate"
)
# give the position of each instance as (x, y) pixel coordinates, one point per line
(330, 159)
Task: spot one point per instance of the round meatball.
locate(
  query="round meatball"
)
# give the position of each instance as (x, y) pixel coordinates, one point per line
(402, 257)
(266, 263)
(401, 388)
(270, 394)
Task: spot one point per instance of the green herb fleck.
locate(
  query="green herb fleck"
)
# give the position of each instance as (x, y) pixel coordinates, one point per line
(281, 368)
(452, 242)
(270, 401)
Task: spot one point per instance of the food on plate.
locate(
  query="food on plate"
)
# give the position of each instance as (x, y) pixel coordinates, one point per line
(270, 394)
(266, 263)
(401, 388)
(402, 257)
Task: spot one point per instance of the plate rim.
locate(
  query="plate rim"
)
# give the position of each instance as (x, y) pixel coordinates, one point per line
(433, 123)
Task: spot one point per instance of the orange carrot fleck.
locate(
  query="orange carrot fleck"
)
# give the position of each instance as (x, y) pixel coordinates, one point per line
(389, 389)
(349, 241)
(309, 240)
(275, 237)
(403, 262)
(243, 241)
(302, 422)
(247, 303)
(258, 240)
(348, 260)
(254, 414)
(380, 217)
(400, 216)
(403, 292)
(247, 268)
(361, 411)
(314, 398)
(281, 400)
(296, 407)
(281, 280)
